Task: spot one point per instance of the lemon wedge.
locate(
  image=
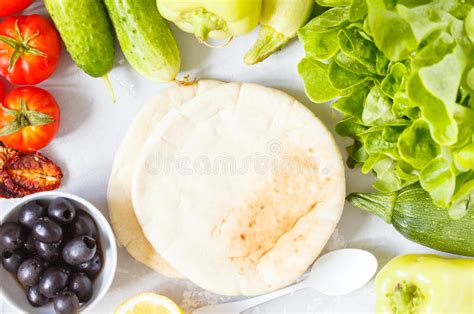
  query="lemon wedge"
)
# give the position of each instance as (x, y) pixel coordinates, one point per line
(148, 303)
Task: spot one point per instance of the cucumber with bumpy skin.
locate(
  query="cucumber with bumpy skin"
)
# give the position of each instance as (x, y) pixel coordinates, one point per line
(412, 212)
(87, 33)
(146, 40)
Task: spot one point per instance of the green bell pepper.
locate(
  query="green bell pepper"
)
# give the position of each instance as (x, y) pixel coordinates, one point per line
(218, 19)
(425, 284)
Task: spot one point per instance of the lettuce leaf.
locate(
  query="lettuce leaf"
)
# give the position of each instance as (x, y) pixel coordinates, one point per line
(317, 85)
(377, 108)
(358, 10)
(439, 179)
(343, 79)
(404, 72)
(416, 146)
(333, 3)
(392, 34)
(331, 19)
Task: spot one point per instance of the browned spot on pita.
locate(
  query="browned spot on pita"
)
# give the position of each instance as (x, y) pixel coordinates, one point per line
(251, 231)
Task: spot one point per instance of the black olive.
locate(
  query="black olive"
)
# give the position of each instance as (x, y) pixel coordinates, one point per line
(83, 225)
(12, 236)
(53, 281)
(35, 297)
(11, 261)
(91, 267)
(47, 231)
(30, 271)
(66, 303)
(79, 250)
(29, 213)
(81, 285)
(55, 259)
(48, 251)
(62, 211)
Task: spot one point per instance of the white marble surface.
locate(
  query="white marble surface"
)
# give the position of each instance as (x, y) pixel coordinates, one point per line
(92, 127)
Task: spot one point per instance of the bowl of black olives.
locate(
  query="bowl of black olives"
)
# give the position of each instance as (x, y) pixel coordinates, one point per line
(58, 254)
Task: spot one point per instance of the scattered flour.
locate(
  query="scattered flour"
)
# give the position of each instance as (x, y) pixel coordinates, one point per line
(337, 241)
(194, 297)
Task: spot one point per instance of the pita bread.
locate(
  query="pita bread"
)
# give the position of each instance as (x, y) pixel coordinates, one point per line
(122, 216)
(248, 229)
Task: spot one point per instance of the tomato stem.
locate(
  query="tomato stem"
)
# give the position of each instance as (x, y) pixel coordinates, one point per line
(21, 46)
(23, 118)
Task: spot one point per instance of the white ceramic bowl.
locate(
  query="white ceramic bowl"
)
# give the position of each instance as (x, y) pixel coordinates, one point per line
(11, 290)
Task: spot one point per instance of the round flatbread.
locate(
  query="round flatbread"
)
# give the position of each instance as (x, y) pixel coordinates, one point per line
(122, 216)
(239, 189)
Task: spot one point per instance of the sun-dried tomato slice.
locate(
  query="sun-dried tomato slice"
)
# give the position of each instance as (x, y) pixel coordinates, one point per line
(27, 173)
(5, 154)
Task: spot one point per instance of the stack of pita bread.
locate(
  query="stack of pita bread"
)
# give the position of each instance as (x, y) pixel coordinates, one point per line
(234, 186)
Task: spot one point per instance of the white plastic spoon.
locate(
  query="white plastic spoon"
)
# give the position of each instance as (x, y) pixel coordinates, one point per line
(336, 273)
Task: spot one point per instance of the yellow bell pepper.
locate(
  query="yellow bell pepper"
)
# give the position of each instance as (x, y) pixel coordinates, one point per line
(425, 284)
(218, 19)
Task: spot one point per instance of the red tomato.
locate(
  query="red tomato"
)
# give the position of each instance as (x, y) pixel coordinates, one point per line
(30, 48)
(29, 119)
(2, 91)
(9, 7)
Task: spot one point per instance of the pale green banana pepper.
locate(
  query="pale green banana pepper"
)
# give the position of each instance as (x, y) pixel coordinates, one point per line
(217, 19)
(280, 20)
(413, 284)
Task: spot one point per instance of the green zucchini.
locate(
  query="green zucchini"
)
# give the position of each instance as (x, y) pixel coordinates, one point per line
(412, 212)
(86, 31)
(146, 40)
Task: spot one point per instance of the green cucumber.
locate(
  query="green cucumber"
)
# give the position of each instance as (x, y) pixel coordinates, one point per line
(412, 212)
(87, 33)
(146, 40)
